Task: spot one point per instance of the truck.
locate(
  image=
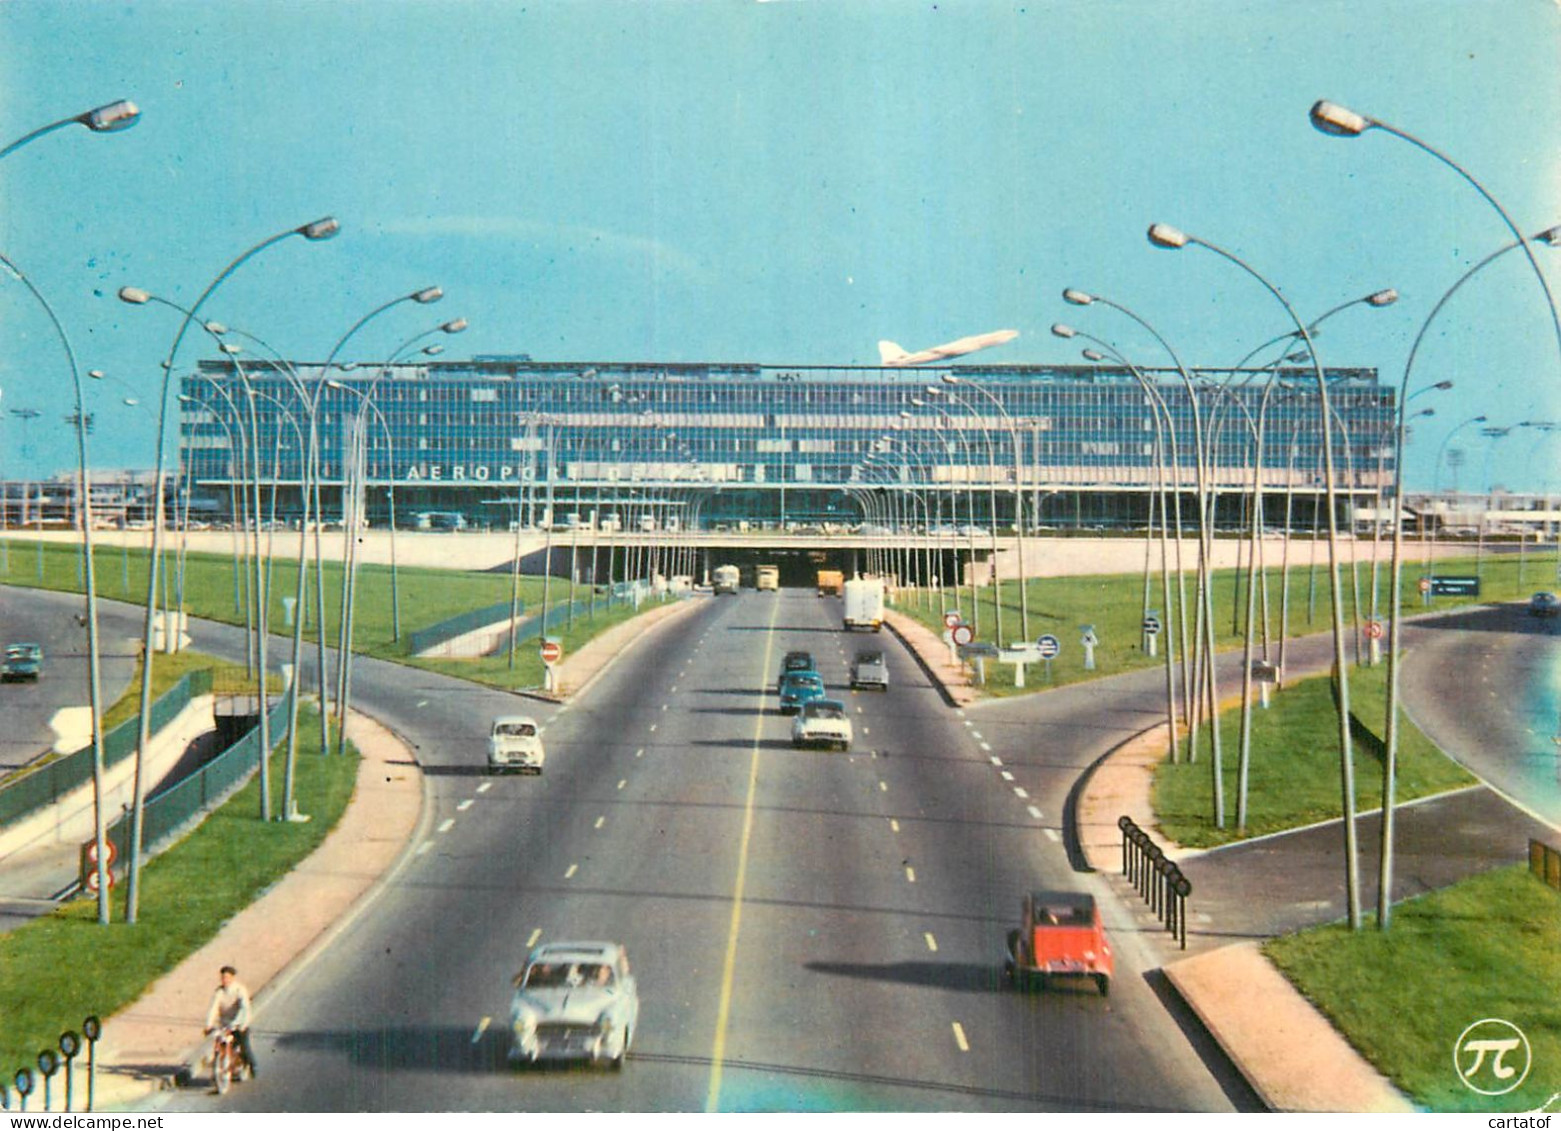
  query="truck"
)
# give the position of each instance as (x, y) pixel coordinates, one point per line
(726, 579)
(830, 582)
(767, 577)
(864, 603)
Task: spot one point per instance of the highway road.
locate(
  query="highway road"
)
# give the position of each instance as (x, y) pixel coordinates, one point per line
(810, 930)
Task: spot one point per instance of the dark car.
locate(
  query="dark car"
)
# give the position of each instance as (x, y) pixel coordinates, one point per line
(1544, 604)
(794, 662)
(23, 662)
(870, 669)
(798, 688)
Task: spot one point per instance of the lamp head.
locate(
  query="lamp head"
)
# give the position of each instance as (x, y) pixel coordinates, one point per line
(1331, 118)
(434, 350)
(1077, 297)
(455, 326)
(1443, 385)
(95, 374)
(322, 229)
(1163, 235)
(428, 294)
(1550, 236)
(109, 119)
(134, 295)
(1385, 297)
(949, 379)
(1062, 330)
(1425, 412)
(1094, 355)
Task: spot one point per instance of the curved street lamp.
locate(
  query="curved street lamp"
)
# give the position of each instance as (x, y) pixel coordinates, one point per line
(322, 229)
(110, 118)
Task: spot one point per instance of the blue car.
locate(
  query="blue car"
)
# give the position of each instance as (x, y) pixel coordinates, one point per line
(798, 688)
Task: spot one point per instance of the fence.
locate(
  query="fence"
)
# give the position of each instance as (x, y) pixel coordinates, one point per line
(47, 784)
(445, 631)
(165, 815)
(49, 1062)
(1545, 863)
(1157, 879)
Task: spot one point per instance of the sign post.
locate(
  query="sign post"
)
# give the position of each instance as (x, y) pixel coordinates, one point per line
(1048, 646)
(1088, 639)
(1374, 636)
(1151, 630)
(552, 651)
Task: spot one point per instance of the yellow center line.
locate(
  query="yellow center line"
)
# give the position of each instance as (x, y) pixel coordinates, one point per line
(729, 969)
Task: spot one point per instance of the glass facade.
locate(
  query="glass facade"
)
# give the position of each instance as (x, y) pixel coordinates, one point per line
(761, 443)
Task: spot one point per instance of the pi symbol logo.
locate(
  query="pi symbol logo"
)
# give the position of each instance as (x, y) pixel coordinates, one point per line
(1492, 1057)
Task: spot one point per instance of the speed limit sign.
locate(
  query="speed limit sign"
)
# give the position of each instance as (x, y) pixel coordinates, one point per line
(1374, 629)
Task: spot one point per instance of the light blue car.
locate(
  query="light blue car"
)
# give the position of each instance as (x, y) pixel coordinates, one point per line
(798, 688)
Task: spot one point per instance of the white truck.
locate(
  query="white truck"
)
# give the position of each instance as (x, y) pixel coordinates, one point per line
(726, 580)
(864, 603)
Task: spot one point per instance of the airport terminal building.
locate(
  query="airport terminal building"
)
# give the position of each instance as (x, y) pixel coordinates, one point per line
(498, 439)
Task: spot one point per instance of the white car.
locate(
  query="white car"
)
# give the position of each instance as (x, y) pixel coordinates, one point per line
(574, 1001)
(515, 743)
(822, 722)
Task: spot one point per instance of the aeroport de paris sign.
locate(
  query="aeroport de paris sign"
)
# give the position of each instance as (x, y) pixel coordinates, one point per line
(467, 473)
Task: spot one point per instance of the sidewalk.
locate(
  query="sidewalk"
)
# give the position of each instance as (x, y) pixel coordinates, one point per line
(1290, 1054)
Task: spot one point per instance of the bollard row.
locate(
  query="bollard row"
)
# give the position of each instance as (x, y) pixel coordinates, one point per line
(1157, 879)
(25, 1081)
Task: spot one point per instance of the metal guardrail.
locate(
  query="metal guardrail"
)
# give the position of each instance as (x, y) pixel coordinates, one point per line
(47, 784)
(1157, 879)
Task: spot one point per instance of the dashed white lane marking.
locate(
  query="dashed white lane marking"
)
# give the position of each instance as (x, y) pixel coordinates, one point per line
(867, 730)
(1034, 812)
(976, 734)
(1007, 776)
(986, 746)
(535, 935)
(653, 727)
(573, 868)
(894, 825)
(996, 761)
(968, 723)
(674, 689)
(424, 847)
(422, 702)
(1053, 834)
(932, 943)
(463, 806)
(1021, 794)
(600, 821)
(640, 753)
(910, 874)
(446, 825)
(959, 1037)
(663, 706)
(485, 787)
(482, 1027)
(623, 783)
(883, 787)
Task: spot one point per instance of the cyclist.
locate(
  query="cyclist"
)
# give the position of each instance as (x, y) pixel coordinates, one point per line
(230, 1010)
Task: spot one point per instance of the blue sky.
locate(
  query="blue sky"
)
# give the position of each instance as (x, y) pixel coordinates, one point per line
(780, 182)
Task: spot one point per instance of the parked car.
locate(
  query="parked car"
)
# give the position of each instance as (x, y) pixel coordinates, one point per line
(822, 722)
(515, 743)
(1060, 933)
(1544, 604)
(798, 688)
(574, 1001)
(870, 669)
(23, 662)
(794, 662)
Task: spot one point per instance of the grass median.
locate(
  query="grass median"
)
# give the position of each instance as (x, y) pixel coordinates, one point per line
(1488, 947)
(1294, 767)
(65, 966)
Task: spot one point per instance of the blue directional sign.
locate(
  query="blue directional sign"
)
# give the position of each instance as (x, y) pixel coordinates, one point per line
(1048, 646)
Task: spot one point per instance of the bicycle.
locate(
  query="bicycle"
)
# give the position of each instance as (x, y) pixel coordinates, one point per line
(227, 1060)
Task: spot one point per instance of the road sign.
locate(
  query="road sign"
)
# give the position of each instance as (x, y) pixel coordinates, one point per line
(552, 651)
(92, 853)
(91, 883)
(1455, 586)
(1425, 585)
(963, 634)
(952, 618)
(1048, 646)
(979, 651)
(1374, 630)
(1152, 625)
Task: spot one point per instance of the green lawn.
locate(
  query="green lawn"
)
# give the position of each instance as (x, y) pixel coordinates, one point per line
(1487, 947)
(1294, 777)
(1113, 604)
(65, 966)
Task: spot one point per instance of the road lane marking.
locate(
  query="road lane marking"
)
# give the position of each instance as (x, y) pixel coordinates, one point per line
(723, 1011)
(422, 702)
(883, 787)
(640, 753)
(986, 746)
(424, 847)
(674, 689)
(532, 941)
(485, 787)
(653, 727)
(996, 761)
(463, 806)
(1019, 793)
(446, 825)
(910, 874)
(600, 821)
(573, 868)
(482, 1027)
(1007, 776)
(1053, 834)
(867, 730)
(663, 706)
(959, 1037)
(1034, 812)
(894, 825)
(932, 943)
(976, 734)
(623, 783)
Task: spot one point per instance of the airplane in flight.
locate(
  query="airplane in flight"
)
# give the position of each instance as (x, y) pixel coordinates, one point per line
(890, 354)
